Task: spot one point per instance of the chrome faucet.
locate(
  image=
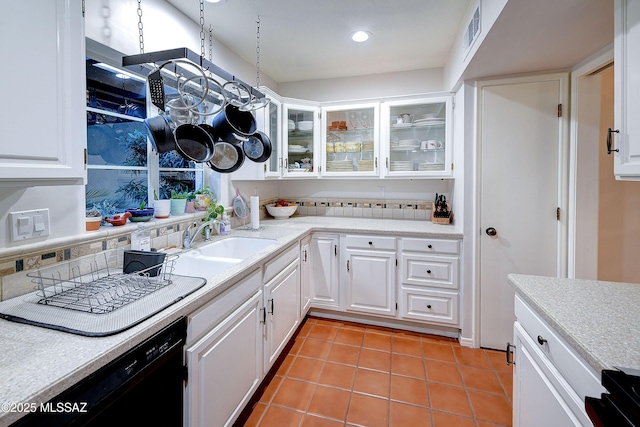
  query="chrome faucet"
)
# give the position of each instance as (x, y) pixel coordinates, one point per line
(188, 238)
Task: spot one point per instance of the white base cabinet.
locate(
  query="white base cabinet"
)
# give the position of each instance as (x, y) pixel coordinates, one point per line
(225, 367)
(324, 270)
(305, 276)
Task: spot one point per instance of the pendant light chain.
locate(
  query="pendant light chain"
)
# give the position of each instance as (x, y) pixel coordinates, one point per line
(140, 34)
(202, 28)
(210, 43)
(258, 54)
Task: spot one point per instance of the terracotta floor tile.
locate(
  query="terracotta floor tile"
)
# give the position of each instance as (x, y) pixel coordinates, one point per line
(498, 360)
(270, 390)
(281, 417)
(407, 346)
(286, 364)
(450, 399)
(330, 403)
(323, 333)
(313, 421)
(307, 369)
(379, 329)
(311, 320)
(403, 415)
(377, 341)
(315, 349)
(354, 325)
(437, 351)
(443, 372)
(441, 419)
(407, 365)
(481, 379)
(490, 407)
(294, 394)
(409, 390)
(372, 382)
(256, 414)
(438, 339)
(506, 379)
(334, 323)
(338, 375)
(350, 336)
(368, 411)
(400, 333)
(472, 357)
(305, 329)
(297, 345)
(346, 354)
(486, 424)
(374, 359)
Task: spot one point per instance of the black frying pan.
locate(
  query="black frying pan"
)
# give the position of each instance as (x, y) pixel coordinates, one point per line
(257, 147)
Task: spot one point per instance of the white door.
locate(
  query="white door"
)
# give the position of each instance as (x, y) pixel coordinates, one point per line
(325, 277)
(521, 138)
(370, 282)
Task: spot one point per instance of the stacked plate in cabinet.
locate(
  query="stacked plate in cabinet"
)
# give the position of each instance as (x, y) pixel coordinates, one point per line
(339, 166)
(365, 165)
(435, 121)
(431, 166)
(367, 145)
(402, 166)
(405, 145)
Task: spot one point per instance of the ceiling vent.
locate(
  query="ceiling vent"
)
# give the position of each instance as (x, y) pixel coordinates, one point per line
(472, 30)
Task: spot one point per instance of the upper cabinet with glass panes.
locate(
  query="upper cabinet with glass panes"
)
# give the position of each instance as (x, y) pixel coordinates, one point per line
(416, 137)
(350, 136)
(301, 130)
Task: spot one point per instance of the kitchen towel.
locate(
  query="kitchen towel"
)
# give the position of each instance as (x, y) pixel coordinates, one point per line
(255, 212)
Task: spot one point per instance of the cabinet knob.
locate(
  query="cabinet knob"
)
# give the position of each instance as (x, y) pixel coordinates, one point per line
(429, 271)
(428, 305)
(491, 231)
(371, 243)
(430, 246)
(541, 340)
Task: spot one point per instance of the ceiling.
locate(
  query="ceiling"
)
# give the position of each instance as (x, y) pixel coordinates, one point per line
(306, 40)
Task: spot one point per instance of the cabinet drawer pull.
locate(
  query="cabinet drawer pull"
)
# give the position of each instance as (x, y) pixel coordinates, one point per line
(347, 265)
(509, 353)
(541, 340)
(271, 301)
(264, 315)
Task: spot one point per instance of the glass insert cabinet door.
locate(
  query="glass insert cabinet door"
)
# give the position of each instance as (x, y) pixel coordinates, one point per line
(273, 128)
(417, 137)
(350, 136)
(300, 131)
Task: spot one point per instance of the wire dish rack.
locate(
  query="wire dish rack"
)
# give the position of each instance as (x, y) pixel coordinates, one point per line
(103, 282)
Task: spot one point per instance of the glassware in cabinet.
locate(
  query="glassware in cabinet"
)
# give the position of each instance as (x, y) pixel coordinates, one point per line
(350, 137)
(301, 125)
(417, 138)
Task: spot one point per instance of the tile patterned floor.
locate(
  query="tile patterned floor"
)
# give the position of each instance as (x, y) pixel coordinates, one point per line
(347, 374)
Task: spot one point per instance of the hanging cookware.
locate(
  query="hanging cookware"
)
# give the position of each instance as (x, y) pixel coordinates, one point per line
(156, 84)
(233, 125)
(227, 157)
(160, 134)
(194, 143)
(257, 147)
(179, 116)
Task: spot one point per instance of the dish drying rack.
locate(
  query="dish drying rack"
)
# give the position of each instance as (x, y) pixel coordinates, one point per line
(97, 283)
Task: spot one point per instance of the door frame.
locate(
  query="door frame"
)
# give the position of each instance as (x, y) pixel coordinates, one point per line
(563, 180)
(591, 65)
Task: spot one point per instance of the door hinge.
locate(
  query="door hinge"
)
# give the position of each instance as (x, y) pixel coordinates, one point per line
(558, 214)
(559, 110)
(335, 250)
(396, 306)
(320, 169)
(451, 166)
(85, 157)
(319, 114)
(396, 262)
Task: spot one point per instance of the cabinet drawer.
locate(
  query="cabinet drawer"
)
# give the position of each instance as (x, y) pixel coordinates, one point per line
(431, 246)
(429, 305)
(276, 265)
(423, 270)
(580, 375)
(371, 242)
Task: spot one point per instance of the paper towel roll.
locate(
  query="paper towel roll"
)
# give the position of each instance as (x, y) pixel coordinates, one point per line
(255, 212)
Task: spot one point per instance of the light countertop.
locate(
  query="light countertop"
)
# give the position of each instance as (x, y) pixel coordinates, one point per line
(36, 364)
(598, 319)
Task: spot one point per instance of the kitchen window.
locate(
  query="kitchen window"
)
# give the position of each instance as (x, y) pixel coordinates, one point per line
(121, 166)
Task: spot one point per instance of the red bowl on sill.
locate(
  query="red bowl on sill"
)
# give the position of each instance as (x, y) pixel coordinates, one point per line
(118, 219)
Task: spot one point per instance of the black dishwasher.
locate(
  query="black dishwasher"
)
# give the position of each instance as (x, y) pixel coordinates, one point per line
(144, 386)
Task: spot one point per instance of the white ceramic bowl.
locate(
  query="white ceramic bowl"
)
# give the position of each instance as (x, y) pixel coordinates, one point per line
(282, 212)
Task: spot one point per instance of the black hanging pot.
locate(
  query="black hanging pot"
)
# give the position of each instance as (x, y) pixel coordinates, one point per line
(257, 147)
(160, 134)
(231, 124)
(194, 143)
(227, 156)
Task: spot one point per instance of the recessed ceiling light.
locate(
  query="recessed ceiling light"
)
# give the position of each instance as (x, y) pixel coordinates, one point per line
(360, 36)
(217, 1)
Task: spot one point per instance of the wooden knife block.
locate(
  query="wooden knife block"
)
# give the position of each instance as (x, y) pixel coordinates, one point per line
(437, 220)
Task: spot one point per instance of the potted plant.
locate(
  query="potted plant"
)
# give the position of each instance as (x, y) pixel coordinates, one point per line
(93, 217)
(203, 197)
(162, 207)
(142, 213)
(190, 207)
(178, 202)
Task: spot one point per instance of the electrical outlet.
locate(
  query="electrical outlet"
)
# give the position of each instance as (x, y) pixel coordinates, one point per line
(29, 224)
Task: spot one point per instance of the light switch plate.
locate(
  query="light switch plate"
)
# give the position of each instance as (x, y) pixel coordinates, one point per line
(29, 224)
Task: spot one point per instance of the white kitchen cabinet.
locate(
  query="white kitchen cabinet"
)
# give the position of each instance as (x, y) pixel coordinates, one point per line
(550, 380)
(350, 139)
(627, 90)
(429, 283)
(225, 364)
(370, 274)
(305, 276)
(324, 270)
(416, 137)
(44, 113)
(282, 303)
(300, 141)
